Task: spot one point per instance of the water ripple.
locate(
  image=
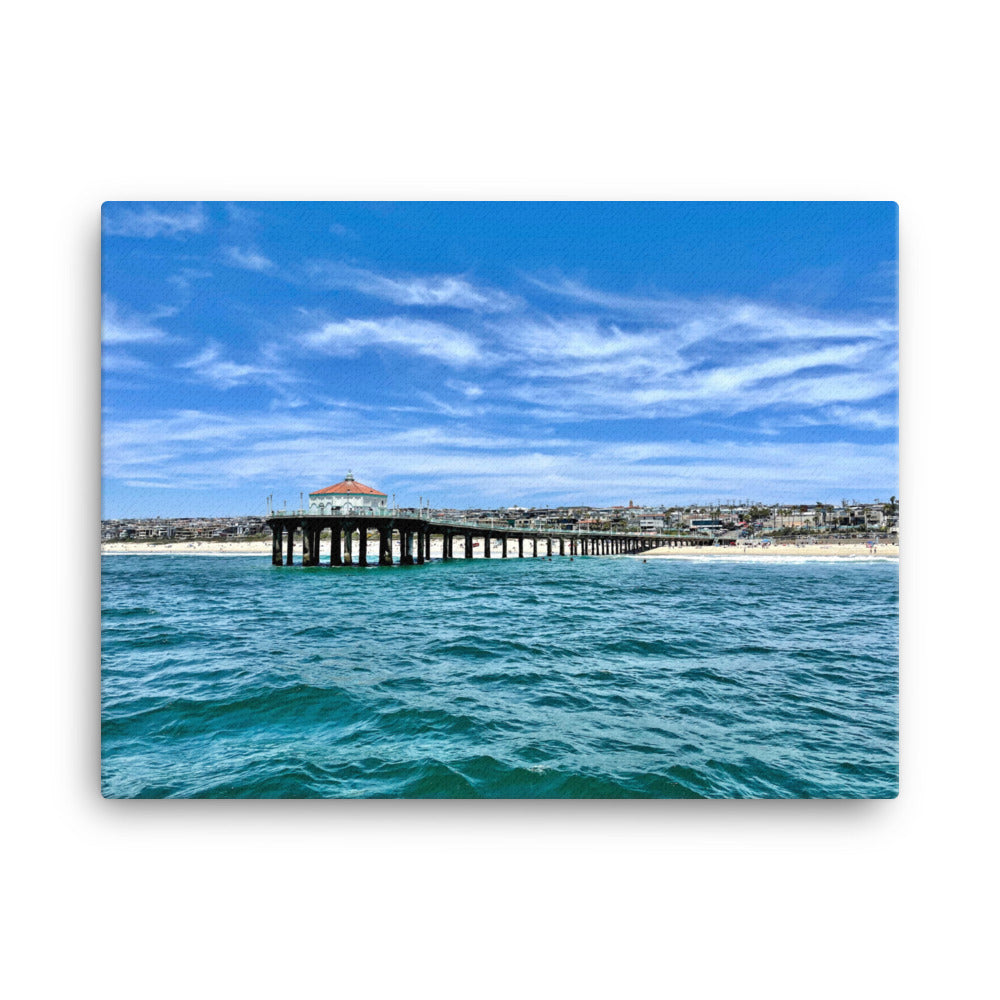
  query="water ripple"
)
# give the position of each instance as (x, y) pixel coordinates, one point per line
(597, 678)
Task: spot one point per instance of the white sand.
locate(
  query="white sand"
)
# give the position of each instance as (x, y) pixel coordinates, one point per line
(186, 548)
(849, 550)
(264, 549)
(846, 551)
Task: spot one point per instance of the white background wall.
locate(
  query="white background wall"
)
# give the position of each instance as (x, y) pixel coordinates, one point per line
(728, 100)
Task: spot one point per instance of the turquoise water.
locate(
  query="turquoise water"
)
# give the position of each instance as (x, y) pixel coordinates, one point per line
(600, 677)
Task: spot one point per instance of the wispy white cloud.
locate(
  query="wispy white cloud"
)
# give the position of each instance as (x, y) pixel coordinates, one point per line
(465, 410)
(726, 358)
(761, 321)
(210, 366)
(467, 389)
(577, 341)
(880, 417)
(242, 215)
(661, 308)
(185, 278)
(123, 326)
(420, 337)
(180, 426)
(409, 290)
(119, 361)
(148, 221)
(850, 416)
(456, 461)
(249, 260)
(735, 318)
(738, 378)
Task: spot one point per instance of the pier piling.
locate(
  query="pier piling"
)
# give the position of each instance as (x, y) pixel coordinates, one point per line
(415, 533)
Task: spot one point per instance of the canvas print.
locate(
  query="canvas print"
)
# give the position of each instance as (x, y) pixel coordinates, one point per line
(532, 500)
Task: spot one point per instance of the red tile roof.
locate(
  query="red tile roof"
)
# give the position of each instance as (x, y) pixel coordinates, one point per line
(348, 486)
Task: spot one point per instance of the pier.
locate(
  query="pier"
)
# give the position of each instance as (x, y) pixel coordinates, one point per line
(413, 535)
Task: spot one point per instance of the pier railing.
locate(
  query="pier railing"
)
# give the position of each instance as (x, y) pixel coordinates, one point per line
(496, 524)
(416, 527)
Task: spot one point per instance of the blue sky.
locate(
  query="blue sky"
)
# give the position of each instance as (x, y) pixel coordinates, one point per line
(497, 353)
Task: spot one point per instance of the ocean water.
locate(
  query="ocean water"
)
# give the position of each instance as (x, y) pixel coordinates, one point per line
(528, 678)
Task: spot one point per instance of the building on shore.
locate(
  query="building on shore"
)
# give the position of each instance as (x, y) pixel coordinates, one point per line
(350, 497)
(346, 496)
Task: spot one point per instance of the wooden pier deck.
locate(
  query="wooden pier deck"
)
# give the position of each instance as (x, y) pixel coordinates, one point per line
(413, 534)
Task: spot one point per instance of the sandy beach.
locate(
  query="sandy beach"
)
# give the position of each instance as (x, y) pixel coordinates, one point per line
(186, 548)
(856, 550)
(260, 548)
(849, 550)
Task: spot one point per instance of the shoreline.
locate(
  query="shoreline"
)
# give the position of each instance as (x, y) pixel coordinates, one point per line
(809, 550)
(186, 548)
(848, 550)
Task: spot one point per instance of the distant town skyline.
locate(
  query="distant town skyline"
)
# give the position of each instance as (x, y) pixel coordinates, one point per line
(493, 354)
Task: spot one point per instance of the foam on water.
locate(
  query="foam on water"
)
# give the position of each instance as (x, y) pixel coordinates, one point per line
(600, 677)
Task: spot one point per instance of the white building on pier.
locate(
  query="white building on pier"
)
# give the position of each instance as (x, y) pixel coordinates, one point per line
(346, 497)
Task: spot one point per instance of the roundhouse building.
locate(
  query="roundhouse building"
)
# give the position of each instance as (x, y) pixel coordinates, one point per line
(346, 496)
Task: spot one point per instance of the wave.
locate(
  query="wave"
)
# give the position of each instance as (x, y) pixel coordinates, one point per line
(590, 679)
